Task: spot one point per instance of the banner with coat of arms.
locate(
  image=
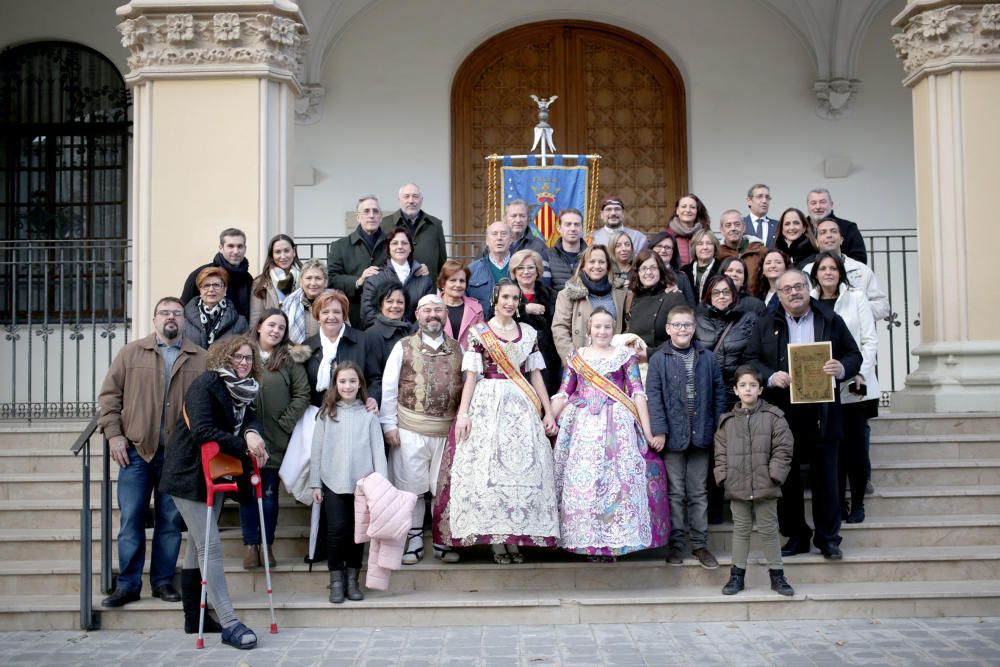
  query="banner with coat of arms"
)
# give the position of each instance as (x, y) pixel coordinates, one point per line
(547, 190)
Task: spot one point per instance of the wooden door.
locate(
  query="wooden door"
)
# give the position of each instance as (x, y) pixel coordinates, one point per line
(619, 96)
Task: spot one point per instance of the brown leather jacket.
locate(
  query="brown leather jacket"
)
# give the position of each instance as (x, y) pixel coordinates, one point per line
(753, 452)
(131, 397)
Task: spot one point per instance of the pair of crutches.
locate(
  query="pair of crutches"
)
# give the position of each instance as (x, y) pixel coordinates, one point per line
(216, 465)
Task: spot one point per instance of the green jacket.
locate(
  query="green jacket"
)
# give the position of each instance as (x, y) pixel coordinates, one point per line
(281, 401)
(345, 261)
(429, 247)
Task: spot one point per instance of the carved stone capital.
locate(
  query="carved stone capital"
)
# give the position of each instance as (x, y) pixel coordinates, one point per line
(307, 104)
(834, 97)
(258, 39)
(943, 38)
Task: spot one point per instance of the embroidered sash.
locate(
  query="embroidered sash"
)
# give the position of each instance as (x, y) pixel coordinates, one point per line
(495, 349)
(603, 384)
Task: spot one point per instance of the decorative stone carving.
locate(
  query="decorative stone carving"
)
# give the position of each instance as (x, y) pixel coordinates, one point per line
(938, 39)
(307, 104)
(834, 97)
(226, 38)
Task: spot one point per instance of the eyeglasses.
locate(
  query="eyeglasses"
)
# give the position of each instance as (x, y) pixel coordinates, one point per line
(648, 269)
(240, 358)
(681, 326)
(721, 292)
(788, 289)
(527, 268)
(211, 286)
(169, 313)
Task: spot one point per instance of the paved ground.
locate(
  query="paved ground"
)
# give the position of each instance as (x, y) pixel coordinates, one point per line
(939, 641)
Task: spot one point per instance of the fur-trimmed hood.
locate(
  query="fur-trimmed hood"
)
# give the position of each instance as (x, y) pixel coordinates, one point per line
(299, 353)
(575, 290)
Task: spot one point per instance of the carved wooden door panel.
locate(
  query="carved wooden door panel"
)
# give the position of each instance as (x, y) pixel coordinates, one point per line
(619, 96)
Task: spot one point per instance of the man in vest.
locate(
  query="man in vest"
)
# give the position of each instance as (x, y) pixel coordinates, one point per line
(421, 390)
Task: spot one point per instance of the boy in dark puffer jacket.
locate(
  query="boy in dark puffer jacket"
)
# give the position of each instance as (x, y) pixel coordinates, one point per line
(753, 454)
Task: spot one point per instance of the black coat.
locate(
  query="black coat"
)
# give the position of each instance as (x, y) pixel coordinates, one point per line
(380, 338)
(688, 271)
(232, 324)
(209, 410)
(854, 244)
(352, 347)
(552, 375)
(562, 265)
(767, 351)
(237, 289)
(712, 322)
(801, 250)
(346, 260)
(648, 316)
(415, 287)
(429, 245)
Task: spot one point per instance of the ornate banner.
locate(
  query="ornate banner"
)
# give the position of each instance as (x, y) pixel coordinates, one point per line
(548, 190)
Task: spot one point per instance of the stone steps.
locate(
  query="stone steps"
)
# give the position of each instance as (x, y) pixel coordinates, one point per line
(928, 548)
(556, 570)
(35, 484)
(654, 603)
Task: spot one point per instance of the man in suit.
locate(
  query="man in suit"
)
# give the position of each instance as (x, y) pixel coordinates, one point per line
(756, 222)
(819, 203)
(817, 427)
(426, 231)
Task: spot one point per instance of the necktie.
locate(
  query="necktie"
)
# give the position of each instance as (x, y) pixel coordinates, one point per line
(761, 230)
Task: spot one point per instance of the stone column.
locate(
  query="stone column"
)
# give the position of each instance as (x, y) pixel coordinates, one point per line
(214, 92)
(951, 56)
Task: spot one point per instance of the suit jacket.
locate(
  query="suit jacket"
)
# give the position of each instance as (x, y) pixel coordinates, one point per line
(346, 259)
(767, 351)
(751, 229)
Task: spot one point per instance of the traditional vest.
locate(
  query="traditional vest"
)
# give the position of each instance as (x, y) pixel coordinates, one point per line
(430, 385)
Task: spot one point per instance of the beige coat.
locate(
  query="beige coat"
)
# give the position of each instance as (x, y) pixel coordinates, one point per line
(131, 397)
(571, 318)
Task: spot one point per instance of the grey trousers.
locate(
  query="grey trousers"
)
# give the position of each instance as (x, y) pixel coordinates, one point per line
(218, 593)
(687, 472)
(767, 528)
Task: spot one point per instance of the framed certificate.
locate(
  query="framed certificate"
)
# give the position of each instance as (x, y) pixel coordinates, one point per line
(805, 366)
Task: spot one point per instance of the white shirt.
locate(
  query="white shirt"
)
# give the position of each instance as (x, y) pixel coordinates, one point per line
(402, 270)
(330, 348)
(390, 381)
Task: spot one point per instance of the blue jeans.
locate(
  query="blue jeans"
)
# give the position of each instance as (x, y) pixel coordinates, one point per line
(250, 516)
(136, 483)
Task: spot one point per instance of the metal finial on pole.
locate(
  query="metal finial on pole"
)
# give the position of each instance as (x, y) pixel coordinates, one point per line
(543, 131)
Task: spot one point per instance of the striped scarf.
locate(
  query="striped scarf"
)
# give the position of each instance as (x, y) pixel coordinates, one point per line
(243, 391)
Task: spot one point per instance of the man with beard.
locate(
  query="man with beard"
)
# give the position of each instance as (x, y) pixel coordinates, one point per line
(421, 390)
(232, 258)
(816, 427)
(613, 216)
(140, 403)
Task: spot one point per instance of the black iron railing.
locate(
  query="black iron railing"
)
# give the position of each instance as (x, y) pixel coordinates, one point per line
(64, 312)
(89, 619)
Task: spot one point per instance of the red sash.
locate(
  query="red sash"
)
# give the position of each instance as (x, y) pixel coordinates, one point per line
(495, 349)
(603, 384)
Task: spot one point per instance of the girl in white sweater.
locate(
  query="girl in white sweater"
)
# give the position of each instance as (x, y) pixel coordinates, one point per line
(347, 446)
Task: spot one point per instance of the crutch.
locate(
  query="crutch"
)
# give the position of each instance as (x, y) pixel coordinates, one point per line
(214, 465)
(258, 485)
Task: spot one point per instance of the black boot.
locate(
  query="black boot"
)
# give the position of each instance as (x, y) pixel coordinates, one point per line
(190, 599)
(779, 584)
(336, 586)
(353, 589)
(737, 577)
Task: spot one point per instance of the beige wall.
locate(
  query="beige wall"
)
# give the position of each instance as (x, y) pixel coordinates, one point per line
(203, 143)
(981, 166)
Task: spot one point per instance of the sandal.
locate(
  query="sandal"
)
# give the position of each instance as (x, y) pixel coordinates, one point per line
(500, 555)
(234, 634)
(414, 547)
(516, 556)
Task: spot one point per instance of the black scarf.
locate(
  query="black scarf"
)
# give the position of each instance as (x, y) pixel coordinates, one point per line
(599, 288)
(371, 240)
(242, 267)
(394, 324)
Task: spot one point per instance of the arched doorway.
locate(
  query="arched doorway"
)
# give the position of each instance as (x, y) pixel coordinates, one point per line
(619, 96)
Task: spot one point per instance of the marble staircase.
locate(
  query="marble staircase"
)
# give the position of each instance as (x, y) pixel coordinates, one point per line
(928, 548)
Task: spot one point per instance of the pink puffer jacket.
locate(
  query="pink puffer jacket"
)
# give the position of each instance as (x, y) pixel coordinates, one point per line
(382, 516)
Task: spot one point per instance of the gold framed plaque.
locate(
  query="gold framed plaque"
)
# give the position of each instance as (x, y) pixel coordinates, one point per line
(805, 366)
